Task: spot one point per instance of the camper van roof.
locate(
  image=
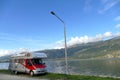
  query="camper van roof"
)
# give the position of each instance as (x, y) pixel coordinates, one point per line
(41, 55)
(30, 55)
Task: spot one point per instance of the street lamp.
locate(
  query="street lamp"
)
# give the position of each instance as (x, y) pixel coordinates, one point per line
(64, 40)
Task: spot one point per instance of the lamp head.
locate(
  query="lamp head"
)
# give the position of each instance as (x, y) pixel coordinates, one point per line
(52, 13)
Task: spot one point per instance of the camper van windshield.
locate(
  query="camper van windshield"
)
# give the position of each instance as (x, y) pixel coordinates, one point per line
(37, 61)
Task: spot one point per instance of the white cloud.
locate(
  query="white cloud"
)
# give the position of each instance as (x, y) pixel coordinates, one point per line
(108, 4)
(117, 18)
(118, 26)
(59, 44)
(107, 35)
(86, 39)
(76, 40)
(6, 52)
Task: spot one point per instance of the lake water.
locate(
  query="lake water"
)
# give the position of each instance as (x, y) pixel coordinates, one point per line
(97, 67)
(4, 65)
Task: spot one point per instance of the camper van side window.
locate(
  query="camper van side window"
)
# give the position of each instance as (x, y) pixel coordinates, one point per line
(15, 60)
(20, 61)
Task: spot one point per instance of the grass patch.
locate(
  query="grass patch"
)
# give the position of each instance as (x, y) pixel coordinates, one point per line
(54, 76)
(4, 71)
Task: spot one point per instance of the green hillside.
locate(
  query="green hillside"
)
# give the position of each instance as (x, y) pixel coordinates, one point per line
(59, 53)
(106, 49)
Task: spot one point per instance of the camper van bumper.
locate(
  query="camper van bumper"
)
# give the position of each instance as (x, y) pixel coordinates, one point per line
(40, 71)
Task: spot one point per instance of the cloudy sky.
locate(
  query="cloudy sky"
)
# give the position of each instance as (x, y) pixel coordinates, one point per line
(28, 24)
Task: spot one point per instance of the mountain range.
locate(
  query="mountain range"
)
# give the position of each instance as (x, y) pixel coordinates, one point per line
(102, 49)
(95, 50)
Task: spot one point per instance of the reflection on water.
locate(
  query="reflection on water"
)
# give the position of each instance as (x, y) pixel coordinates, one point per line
(55, 66)
(101, 67)
(107, 67)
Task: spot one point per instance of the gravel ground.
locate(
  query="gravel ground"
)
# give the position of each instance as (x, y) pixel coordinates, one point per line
(17, 77)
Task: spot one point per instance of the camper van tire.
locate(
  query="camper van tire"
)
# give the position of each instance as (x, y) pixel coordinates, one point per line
(31, 73)
(11, 71)
(16, 72)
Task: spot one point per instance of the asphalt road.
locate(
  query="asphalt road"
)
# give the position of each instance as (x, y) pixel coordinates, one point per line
(17, 77)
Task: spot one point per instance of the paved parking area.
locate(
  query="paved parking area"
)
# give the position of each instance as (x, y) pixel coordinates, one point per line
(17, 77)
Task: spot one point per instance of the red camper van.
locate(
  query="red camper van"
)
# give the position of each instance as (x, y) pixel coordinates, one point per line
(28, 62)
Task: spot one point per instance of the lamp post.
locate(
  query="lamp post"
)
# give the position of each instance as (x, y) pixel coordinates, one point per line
(66, 61)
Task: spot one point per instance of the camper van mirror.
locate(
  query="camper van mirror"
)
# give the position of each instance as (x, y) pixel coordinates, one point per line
(29, 64)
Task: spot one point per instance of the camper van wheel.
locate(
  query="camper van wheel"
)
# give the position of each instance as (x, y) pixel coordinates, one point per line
(31, 73)
(16, 72)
